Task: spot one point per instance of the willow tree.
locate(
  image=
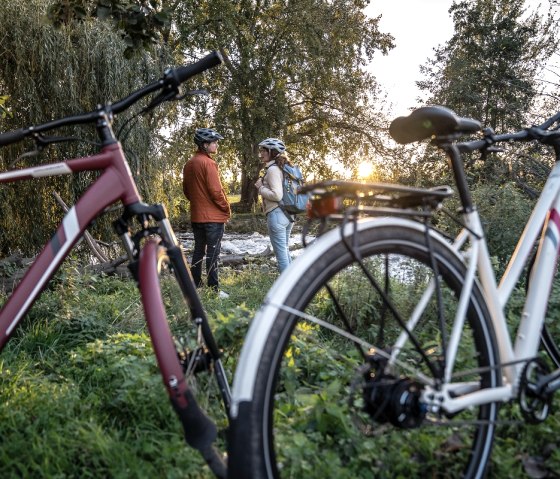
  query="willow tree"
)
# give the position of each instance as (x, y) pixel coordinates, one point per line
(140, 23)
(46, 73)
(294, 69)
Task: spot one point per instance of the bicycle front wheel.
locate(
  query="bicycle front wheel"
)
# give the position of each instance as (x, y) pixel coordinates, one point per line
(317, 394)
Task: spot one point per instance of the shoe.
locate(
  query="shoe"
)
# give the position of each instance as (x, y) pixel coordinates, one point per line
(222, 294)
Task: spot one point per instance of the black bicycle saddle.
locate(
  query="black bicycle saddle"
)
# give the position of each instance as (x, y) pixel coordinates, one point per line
(429, 121)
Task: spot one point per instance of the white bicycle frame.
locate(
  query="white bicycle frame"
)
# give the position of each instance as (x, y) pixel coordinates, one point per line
(544, 219)
(470, 245)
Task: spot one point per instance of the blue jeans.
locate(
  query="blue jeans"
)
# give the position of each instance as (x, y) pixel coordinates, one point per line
(207, 242)
(279, 229)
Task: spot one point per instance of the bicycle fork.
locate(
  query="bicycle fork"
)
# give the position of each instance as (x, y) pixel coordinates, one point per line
(200, 432)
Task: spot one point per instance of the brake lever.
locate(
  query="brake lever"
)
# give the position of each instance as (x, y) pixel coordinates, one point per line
(42, 141)
(484, 153)
(47, 140)
(170, 95)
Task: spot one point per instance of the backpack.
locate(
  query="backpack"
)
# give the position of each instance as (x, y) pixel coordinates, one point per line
(292, 202)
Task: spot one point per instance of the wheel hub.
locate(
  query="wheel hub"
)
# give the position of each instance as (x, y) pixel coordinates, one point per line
(397, 401)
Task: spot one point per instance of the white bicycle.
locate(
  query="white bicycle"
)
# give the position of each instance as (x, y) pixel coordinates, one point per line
(383, 350)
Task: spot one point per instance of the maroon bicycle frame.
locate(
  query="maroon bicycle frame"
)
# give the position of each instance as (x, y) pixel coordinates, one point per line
(115, 183)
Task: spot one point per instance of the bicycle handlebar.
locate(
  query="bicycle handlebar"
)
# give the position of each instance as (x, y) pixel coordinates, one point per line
(172, 79)
(13, 136)
(539, 133)
(489, 140)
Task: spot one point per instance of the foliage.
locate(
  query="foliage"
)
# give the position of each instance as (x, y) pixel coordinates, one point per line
(80, 395)
(140, 21)
(48, 73)
(294, 70)
(504, 210)
(3, 110)
(488, 69)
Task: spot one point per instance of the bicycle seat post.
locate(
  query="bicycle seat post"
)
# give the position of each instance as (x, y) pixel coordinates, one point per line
(458, 168)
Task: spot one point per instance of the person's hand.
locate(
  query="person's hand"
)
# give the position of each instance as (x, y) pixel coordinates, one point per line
(258, 183)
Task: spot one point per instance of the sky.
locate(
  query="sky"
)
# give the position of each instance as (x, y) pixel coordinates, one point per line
(418, 26)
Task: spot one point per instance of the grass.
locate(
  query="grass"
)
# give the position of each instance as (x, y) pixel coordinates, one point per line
(80, 393)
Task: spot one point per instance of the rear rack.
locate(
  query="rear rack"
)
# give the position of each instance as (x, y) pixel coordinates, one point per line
(335, 198)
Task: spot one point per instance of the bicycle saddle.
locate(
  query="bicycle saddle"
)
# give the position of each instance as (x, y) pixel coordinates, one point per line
(428, 121)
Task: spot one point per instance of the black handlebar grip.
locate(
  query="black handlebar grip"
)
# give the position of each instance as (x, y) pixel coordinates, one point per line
(209, 61)
(13, 136)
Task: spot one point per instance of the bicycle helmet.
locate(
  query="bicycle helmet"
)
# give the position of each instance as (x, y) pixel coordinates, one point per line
(273, 144)
(206, 135)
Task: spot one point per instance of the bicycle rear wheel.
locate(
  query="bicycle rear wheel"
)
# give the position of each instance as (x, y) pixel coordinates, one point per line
(307, 402)
(185, 351)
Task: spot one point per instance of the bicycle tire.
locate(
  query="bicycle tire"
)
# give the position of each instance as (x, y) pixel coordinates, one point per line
(175, 335)
(291, 414)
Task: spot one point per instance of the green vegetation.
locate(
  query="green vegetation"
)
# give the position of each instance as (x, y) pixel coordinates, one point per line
(80, 394)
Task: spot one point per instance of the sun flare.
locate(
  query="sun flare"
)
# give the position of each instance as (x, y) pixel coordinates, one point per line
(365, 169)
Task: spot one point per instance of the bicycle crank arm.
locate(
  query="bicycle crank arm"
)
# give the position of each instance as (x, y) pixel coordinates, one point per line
(549, 384)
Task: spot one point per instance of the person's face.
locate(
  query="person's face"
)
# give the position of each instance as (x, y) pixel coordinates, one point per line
(212, 147)
(264, 155)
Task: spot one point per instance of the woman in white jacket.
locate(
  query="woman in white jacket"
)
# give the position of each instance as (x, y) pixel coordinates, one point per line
(272, 153)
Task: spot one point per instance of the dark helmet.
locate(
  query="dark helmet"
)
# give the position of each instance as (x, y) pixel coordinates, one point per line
(273, 144)
(206, 135)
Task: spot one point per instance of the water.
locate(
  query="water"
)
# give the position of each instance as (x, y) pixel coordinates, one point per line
(239, 243)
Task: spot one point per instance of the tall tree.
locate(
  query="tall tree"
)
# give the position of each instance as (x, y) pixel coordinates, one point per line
(294, 69)
(488, 70)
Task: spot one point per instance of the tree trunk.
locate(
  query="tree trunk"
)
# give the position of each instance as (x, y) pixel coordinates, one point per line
(250, 171)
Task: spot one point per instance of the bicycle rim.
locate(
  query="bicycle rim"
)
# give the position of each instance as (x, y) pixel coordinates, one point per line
(325, 411)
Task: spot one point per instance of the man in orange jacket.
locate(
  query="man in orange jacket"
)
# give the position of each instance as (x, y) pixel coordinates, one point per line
(209, 206)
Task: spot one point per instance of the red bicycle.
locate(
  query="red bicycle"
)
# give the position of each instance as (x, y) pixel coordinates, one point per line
(152, 249)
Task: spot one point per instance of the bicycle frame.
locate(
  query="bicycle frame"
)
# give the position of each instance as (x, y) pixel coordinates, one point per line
(544, 219)
(115, 183)
(151, 243)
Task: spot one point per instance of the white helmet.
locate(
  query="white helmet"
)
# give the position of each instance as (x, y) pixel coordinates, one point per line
(273, 144)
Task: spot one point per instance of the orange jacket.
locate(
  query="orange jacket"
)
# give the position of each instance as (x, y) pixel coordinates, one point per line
(202, 187)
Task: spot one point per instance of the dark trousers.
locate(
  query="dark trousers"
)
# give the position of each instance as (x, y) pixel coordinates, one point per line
(207, 242)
